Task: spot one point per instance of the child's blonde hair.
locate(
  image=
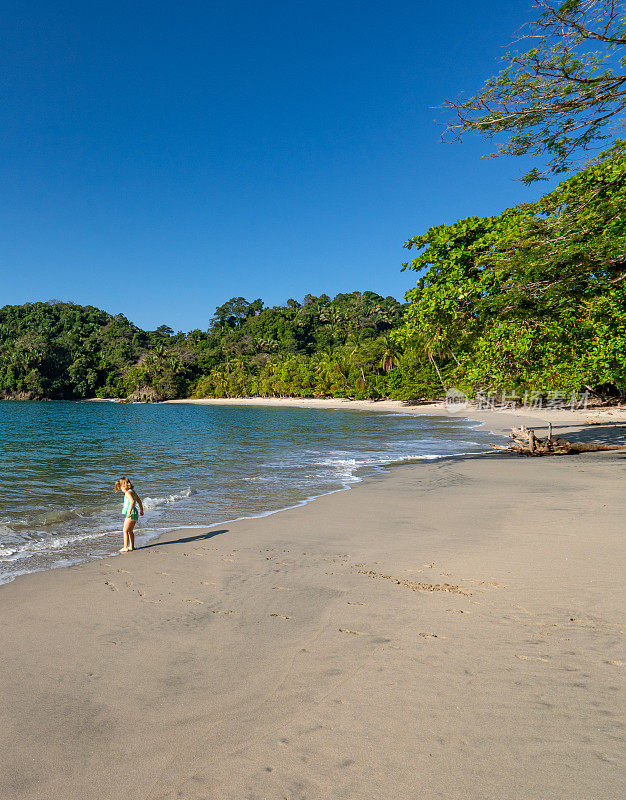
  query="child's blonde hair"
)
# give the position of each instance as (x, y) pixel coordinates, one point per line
(124, 485)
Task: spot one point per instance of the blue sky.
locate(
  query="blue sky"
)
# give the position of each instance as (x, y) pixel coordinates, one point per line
(159, 158)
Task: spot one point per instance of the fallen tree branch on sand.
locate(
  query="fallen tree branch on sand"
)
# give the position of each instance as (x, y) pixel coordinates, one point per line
(526, 443)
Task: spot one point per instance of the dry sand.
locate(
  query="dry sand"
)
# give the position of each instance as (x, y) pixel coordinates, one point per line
(448, 629)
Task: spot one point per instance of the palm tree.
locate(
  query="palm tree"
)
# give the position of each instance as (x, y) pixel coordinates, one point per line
(391, 355)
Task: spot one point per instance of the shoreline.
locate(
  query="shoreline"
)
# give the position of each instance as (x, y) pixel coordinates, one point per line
(447, 623)
(498, 422)
(347, 483)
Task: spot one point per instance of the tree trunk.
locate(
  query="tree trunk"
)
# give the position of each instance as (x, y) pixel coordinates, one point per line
(434, 363)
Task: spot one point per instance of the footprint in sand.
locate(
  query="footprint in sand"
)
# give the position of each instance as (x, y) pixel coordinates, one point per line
(432, 636)
(490, 584)
(588, 623)
(530, 658)
(281, 616)
(218, 611)
(524, 610)
(130, 585)
(346, 630)
(418, 587)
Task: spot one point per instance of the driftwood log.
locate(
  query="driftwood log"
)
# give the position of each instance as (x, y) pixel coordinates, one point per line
(526, 443)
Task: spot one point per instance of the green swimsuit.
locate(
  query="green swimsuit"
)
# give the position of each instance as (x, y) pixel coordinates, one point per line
(134, 514)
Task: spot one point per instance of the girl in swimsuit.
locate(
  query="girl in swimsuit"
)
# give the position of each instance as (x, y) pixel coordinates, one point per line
(132, 508)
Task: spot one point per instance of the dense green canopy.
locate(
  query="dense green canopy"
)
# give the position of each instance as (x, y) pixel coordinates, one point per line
(321, 347)
(533, 299)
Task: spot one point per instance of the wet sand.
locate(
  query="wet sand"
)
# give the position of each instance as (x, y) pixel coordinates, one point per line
(448, 629)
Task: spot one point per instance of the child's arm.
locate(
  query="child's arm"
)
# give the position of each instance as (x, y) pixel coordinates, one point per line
(140, 505)
(131, 499)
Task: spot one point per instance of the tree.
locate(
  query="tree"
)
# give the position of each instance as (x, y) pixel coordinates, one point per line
(562, 95)
(235, 311)
(534, 298)
(390, 357)
(570, 239)
(164, 330)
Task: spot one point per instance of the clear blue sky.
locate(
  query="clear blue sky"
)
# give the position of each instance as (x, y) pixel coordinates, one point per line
(159, 158)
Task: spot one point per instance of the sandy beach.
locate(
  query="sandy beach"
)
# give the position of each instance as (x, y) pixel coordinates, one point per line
(499, 418)
(448, 629)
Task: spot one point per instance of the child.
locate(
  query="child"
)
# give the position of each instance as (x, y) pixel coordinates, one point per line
(131, 501)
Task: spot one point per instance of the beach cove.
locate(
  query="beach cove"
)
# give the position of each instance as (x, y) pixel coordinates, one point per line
(446, 629)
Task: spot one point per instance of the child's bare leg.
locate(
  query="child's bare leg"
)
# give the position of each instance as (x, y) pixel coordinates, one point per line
(131, 535)
(128, 526)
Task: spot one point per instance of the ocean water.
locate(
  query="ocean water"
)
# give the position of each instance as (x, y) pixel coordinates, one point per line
(192, 465)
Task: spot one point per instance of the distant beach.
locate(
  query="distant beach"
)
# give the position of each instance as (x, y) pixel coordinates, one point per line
(499, 419)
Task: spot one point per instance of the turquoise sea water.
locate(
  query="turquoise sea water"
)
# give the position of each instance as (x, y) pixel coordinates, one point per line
(192, 465)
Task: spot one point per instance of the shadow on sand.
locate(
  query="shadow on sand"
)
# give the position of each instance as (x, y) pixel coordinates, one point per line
(201, 537)
(602, 433)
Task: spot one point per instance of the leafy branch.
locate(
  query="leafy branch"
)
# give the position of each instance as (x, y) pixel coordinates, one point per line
(561, 96)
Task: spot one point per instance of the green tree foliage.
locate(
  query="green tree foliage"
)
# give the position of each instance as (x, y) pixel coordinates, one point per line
(533, 299)
(560, 96)
(342, 347)
(63, 350)
(321, 348)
